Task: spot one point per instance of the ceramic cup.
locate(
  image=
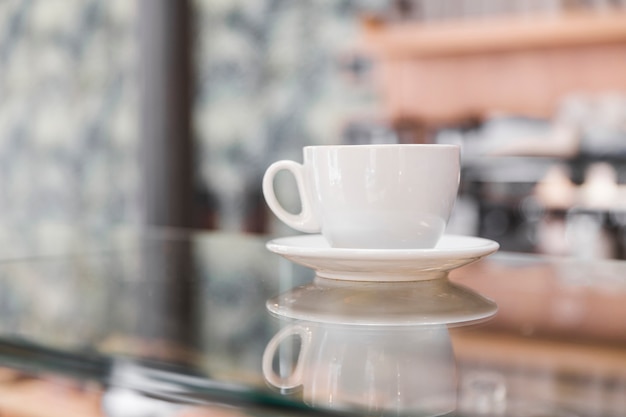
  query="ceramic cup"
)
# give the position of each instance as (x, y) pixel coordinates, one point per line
(372, 196)
(385, 369)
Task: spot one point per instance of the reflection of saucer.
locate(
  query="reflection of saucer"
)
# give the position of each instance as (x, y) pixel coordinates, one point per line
(426, 302)
(382, 265)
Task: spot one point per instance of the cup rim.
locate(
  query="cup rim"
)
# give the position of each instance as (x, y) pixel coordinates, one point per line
(386, 146)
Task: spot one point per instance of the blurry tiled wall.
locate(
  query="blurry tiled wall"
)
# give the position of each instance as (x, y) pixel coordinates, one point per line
(271, 79)
(68, 114)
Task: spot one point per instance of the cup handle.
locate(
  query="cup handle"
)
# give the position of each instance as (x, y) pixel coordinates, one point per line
(304, 221)
(295, 378)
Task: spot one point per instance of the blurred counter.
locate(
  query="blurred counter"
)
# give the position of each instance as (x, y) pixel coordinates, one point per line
(159, 323)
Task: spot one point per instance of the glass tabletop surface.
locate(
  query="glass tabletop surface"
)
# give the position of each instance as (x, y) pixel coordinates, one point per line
(166, 322)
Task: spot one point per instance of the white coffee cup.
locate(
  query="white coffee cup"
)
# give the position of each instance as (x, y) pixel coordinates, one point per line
(372, 196)
(378, 369)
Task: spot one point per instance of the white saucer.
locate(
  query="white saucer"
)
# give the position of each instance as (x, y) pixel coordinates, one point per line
(426, 302)
(382, 265)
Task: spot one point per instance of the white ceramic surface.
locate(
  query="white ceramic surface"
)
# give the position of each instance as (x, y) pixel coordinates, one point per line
(382, 371)
(424, 303)
(382, 265)
(372, 196)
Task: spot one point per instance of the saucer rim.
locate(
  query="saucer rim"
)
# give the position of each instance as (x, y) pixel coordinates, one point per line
(281, 246)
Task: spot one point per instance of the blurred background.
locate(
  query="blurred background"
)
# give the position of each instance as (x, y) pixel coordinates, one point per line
(120, 112)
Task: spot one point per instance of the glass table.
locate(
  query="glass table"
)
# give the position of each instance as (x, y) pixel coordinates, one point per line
(171, 323)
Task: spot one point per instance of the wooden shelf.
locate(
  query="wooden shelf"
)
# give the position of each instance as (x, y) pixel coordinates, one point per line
(496, 34)
(449, 72)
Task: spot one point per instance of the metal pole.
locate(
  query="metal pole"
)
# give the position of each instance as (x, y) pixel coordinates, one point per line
(166, 85)
(167, 170)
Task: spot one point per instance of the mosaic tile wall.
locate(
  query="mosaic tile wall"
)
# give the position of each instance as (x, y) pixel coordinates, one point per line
(68, 111)
(271, 78)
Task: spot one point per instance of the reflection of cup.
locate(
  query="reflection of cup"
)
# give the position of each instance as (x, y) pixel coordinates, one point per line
(372, 196)
(380, 369)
